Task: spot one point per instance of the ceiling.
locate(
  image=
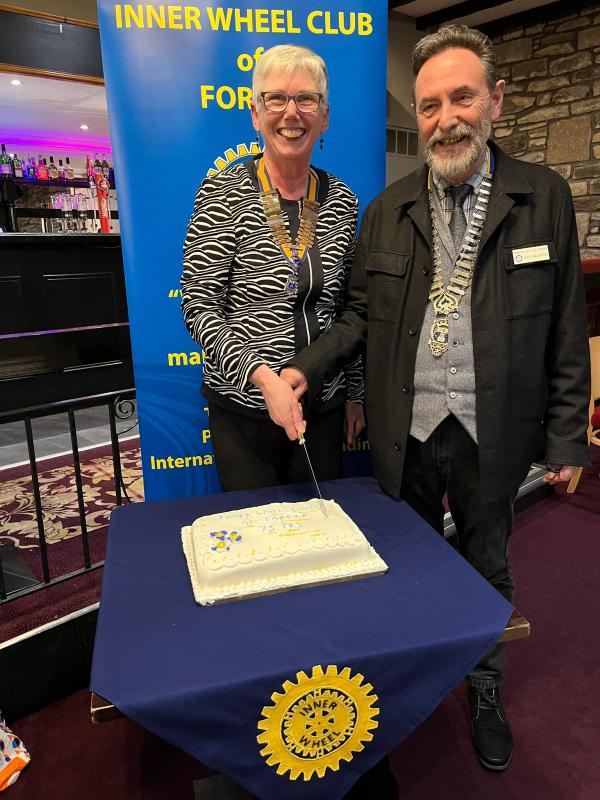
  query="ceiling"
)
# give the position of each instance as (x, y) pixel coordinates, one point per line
(431, 13)
(51, 111)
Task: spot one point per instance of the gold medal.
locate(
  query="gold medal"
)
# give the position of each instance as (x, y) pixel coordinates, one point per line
(438, 336)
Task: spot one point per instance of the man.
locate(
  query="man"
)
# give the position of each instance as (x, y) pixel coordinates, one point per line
(468, 278)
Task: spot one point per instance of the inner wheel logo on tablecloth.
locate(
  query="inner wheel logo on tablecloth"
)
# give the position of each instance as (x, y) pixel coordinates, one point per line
(317, 722)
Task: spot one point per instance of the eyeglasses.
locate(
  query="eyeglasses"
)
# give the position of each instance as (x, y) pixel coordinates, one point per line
(278, 101)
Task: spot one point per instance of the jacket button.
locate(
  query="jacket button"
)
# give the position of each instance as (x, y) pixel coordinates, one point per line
(397, 447)
(412, 332)
(425, 270)
(405, 388)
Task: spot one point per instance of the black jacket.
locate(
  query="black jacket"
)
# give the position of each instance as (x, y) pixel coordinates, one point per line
(529, 334)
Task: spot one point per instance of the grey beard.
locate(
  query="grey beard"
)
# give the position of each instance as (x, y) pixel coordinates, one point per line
(452, 168)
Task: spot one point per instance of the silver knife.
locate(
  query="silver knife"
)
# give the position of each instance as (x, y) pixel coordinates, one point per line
(302, 442)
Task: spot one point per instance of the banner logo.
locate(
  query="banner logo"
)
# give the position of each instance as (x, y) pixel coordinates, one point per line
(317, 722)
(230, 156)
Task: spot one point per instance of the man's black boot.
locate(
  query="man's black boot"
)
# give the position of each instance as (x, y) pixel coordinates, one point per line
(492, 736)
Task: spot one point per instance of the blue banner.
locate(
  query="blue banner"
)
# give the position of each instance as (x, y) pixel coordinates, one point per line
(178, 81)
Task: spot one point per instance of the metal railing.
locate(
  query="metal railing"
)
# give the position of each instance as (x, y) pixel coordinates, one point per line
(119, 404)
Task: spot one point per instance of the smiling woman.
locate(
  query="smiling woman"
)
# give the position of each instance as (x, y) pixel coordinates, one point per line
(266, 261)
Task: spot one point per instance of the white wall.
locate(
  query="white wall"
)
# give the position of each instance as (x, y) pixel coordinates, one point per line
(402, 36)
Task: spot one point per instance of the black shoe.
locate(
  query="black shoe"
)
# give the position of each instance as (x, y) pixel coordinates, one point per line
(492, 736)
(378, 783)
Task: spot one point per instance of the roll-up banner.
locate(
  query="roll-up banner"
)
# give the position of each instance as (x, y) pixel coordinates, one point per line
(178, 82)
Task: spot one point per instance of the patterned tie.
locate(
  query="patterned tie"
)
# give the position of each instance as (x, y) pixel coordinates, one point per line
(458, 222)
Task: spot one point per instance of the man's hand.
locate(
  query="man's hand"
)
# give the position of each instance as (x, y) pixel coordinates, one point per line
(282, 405)
(296, 379)
(355, 420)
(565, 474)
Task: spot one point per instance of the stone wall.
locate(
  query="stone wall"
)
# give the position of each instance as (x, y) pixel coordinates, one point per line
(551, 113)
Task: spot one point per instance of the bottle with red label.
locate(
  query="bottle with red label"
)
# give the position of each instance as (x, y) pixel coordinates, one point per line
(41, 171)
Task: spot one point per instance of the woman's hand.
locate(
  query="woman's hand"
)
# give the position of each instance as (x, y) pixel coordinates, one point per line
(354, 420)
(282, 405)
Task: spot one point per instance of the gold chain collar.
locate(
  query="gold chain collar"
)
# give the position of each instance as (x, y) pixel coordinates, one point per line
(446, 299)
(294, 252)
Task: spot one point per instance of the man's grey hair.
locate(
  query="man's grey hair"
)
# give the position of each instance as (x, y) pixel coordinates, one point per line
(286, 58)
(461, 36)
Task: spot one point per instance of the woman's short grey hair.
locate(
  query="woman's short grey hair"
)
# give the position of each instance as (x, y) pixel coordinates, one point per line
(286, 58)
(450, 36)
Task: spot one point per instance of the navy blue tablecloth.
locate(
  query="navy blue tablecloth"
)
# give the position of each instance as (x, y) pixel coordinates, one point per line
(202, 677)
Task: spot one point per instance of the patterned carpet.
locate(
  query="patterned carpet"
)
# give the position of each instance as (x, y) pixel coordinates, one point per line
(59, 495)
(552, 694)
(18, 527)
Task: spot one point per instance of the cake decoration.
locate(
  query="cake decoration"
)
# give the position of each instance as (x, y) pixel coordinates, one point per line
(224, 539)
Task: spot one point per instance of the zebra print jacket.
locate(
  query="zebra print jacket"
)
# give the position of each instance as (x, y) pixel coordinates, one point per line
(233, 286)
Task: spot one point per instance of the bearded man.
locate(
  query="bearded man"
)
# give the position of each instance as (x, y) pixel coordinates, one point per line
(467, 277)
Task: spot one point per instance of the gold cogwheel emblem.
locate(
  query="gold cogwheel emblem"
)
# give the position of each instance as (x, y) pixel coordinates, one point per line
(317, 722)
(230, 155)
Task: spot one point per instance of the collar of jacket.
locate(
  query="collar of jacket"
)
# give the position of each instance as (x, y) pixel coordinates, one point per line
(508, 181)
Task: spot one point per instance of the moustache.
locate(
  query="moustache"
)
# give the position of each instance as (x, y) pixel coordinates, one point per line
(456, 134)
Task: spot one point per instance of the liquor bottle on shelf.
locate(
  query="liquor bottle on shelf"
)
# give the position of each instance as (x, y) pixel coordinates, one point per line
(5, 164)
(17, 165)
(31, 168)
(41, 171)
(52, 170)
(105, 166)
(68, 169)
(62, 172)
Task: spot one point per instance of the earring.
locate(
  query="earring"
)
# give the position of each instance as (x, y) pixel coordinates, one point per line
(321, 143)
(258, 141)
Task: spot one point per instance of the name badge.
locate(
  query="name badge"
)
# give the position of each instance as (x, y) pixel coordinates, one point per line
(529, 255)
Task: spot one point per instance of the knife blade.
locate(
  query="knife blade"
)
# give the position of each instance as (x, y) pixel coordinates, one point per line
(302, 443)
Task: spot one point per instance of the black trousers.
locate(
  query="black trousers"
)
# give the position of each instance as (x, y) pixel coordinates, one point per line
(252, 454)
(447, 463)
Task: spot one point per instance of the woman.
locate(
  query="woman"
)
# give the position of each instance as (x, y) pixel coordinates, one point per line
(266, 259)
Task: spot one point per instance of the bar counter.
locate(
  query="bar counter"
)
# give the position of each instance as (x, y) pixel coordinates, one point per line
(64, 329)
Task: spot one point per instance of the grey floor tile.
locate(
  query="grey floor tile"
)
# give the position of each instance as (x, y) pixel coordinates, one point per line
(52, 436)
(12, 454)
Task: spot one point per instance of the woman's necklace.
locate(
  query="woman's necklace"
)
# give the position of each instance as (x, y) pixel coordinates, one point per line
(294, 252)
(446, 299)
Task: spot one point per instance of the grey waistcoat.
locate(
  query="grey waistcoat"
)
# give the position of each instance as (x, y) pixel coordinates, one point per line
(445, 385)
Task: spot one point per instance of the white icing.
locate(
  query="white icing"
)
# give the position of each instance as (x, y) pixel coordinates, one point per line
(274, 547)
